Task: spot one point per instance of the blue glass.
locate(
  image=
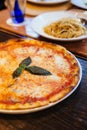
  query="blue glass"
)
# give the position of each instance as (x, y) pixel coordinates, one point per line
(17, 14)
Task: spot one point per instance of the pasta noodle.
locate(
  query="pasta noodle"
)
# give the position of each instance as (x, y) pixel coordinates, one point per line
(66, 28)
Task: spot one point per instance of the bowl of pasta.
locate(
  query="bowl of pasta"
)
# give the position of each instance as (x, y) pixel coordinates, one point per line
(60, 25)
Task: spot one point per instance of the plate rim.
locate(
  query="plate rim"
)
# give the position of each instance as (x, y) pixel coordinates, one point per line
(80, 6)
(47, 3)
(25, 111)
(43, 34)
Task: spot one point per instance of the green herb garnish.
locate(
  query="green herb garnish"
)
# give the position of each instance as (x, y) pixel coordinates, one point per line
(24, 65)
(17, 72)
(21, 67)
(25, 62)
(37, 70)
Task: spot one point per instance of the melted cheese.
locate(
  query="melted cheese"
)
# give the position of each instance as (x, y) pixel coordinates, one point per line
(28, 84)
(62, 63)
(3, 61)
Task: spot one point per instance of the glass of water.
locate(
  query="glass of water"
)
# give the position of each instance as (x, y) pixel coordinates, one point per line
(17, 10)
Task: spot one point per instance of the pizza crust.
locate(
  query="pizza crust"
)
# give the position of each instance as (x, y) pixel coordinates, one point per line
(40, 90)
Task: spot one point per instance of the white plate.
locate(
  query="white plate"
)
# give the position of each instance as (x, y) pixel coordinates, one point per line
(45, 2)
(79, 3)
(45, 19)
(51, 104)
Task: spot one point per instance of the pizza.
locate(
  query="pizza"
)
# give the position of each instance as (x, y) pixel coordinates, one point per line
(35, 74)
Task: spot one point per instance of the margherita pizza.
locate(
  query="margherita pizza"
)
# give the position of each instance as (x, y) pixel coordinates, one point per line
(35, 73)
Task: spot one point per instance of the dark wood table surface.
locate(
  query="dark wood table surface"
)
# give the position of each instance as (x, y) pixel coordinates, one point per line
(70, 114)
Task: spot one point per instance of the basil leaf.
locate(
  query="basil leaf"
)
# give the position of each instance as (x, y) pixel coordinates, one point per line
(17, 72)
(37, 70)
(21, 67)
(32, 69)
(26, 62)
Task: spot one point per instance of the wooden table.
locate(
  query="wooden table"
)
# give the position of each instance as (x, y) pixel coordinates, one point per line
(70, 114)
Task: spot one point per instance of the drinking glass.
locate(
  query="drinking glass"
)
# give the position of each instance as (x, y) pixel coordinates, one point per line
(17, 10)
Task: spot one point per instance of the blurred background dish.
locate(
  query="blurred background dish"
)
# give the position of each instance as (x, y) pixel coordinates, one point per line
(45, 2)
(37, 9)
(80, 3)
(46, 19)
